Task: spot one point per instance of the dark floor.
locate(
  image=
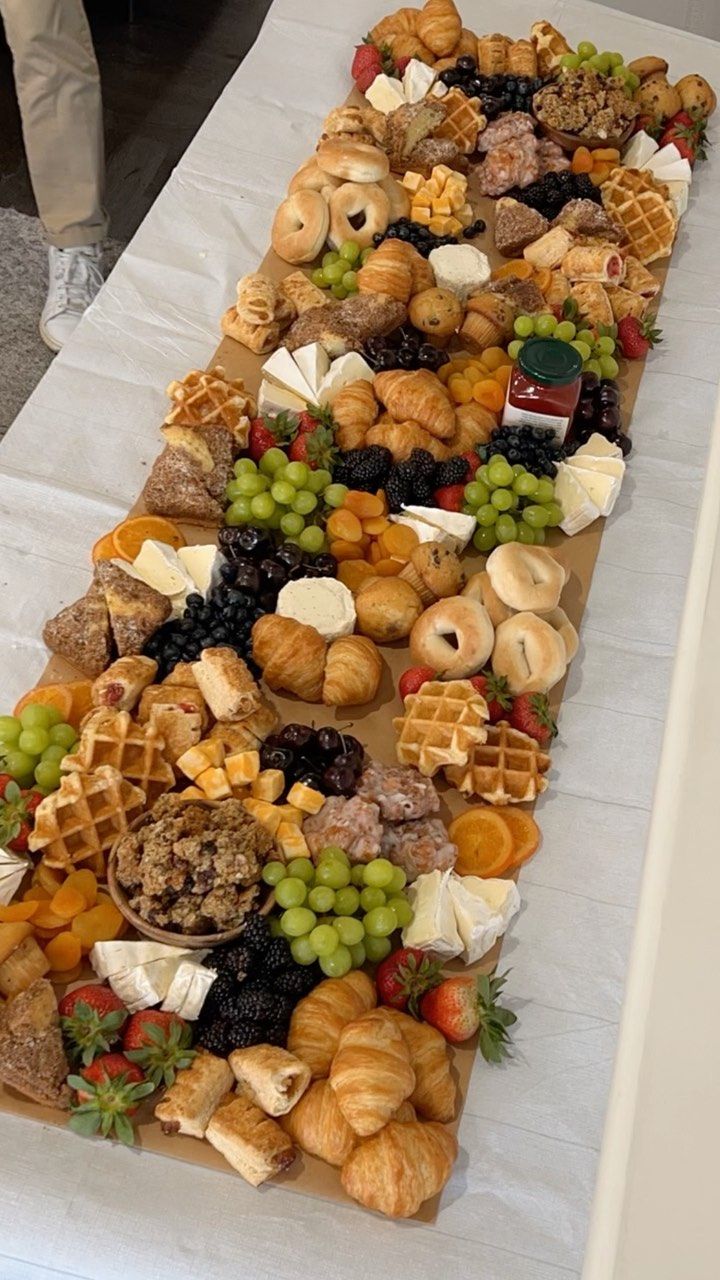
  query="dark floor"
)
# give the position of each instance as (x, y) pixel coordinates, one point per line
(160, 77)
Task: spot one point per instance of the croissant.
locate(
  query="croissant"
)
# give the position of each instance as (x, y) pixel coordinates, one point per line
(402, 1166)
(405, 19)
(352, 672)
(423, 276)
(354, 410)
(405, 1113)
(467, 43)
(473, 426)
(402, 437)
(435, 1094)
(291, 655)
(317, 1125)
(387, 271)
(439, 25)
(319, 1018)
(403, 45)
(371, 1072)
(419, 396)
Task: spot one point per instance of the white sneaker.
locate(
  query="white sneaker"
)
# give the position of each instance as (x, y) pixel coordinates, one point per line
(75, 279)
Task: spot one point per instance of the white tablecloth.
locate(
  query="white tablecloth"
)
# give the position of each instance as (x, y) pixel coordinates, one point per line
(517, 1206)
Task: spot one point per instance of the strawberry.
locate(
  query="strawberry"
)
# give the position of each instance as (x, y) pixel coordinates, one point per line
(159, 1043)
(405, 976)
(531, 714)
(461, 1006)
(401, 64)
(494, 690)
(270, 433)
(366, 64)
(91, 1018)
(645, 123)
(450, 497)
(5, 780)
(636, 337)
(16, 810)
(473, 462)
(108, 1092)
(687, 134)
(413, 679)
(313, 447)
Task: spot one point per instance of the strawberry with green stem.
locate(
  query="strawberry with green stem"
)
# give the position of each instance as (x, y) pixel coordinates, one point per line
(404, 977)
(496, 693)
(637, 337)
(91, 1018)
(16, 814)
(108, 1092)
(314, 443)
(159, 1043)
(459, 1007)
(687, 134)
(531, 714)
(269, 432)
(370, 60)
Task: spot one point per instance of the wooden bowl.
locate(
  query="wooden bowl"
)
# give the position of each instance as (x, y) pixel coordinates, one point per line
(571, 141)
(189, 941)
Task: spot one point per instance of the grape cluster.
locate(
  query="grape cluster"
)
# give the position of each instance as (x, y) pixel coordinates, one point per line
(326, 759)
(33, 744)
(595, 350)
(496, 93)
(404, 348)
(510, 504)
(419, 236)
(338, 271)
(553, 191)
(535, 448)
(282, 495)
(338, 914)
(599, 410)
(606, 64)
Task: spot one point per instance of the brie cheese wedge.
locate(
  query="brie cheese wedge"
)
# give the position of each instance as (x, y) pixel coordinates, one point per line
(676, 171)
(202, 565)
(608, 466)
(385, 94)
(679, 195)
(188, 990)
(348, 368)
(483, 910)
(12, 869)
(598, 446)
(603, 490)
(453, 524)
(579, 510)
(273, 399)
(417, 80)
(433, 927)
(640, 149)
(313, 362)
(281, 369)
(160, 567)
(108, 958)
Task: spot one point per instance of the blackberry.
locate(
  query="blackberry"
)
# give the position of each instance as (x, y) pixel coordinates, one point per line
(422, 462)
(244, 1034)
(398, 487)
(453, 471)
(363, 468)
(297, 981)
(223, 995)
(275, 958)
(255, 934)
(276, 1033)
(216, 1039)
(234, 960)
(254, 1004)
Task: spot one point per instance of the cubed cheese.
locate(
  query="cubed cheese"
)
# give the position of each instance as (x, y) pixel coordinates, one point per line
(269, 785)
(412, 181)
(194, 761)
(305, 798)
(291, 841)
(242, 767)
(214, 783)
(268, 815)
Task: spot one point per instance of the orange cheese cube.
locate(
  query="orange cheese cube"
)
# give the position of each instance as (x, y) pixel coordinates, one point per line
(412, 181)
(291, 842)
(305, 798)
(214, 783)
(268, 815)
(421, 214)
(268, 785)
(243, 767)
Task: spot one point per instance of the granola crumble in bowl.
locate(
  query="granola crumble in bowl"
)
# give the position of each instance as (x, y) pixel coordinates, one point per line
(584, 109)
(188, 872)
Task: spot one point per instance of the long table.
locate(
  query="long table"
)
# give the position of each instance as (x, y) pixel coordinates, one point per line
(518, 1205)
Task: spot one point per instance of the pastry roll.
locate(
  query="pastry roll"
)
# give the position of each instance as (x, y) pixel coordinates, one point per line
(249, 1140)
(352, 672)
(592, 262)
(522, 59)
(317, 1125)
(638, 279)
(400, 1168)
(273, 1078)
(121, 685)
(625, 303)
(319, 1018)
(371, 1072)
(435, 1094)
(492, 54)
(550, 249)
(259, 338)
(593, 302)
(187, 1106)
(300, 292)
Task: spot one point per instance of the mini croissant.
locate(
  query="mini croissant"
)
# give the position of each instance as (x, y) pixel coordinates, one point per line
(354, 410)
(292, 656)
(439, 25)
(401, 1167)
(319, 1018)
(371, 1072)
(387, 271)
(352, 672)
(402, 437)
(317, 1125)
(419, 396)
(434, 1095)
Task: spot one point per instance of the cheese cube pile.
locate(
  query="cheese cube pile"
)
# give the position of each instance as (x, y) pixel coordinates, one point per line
(439, 202)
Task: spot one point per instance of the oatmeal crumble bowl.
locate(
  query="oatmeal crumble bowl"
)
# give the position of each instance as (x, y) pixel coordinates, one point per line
(187, 873)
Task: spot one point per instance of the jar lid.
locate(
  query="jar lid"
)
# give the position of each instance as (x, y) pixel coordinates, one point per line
(550, 361)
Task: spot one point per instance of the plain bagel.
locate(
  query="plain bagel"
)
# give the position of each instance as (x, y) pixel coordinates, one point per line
(300, 227)
(479, 587)
(526, 578)
(559, 620)
(353, 161)
(530, 653)
(367, 204)
(310, 177)
(454, 637)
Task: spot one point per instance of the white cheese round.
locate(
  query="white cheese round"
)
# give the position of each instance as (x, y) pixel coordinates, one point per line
(461, 268)
(322, 603)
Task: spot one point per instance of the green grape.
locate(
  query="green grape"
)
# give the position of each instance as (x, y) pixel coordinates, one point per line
(321, 898)
(571, 60)
(330, 257)
(403, 911)
(586, 49)
(500, 472)
(304, 502)
(467, 510)
(275, 927)
(518, 469)
(246, 466)
(545, 325)
(290, 892)
(349, 281)
(585, 65)
(239, 512)
(333, 851)
(376, 949)
(339, 291)
(54, 752)
(514, 500)
(525, 485)
(565, 331)
(398, 882)
(232, 491)
(605, 345)
(312, 539)
(349, 930)
(378, 873)
(298, 920)
(501, 499)
(582, 348)
(324, 939)
(476, 494)
(335, 494)
(600, 62)
(525, 534)
(536, 516)
(334, 272)
(539, 537)
(251, 483)
(292, 524)
(619, 73)
(370, 898)
(616, 59)
(283, 493)
(37, 716)
(318, 277)
(347, 901)
(47, 774)
(483, 474)
(19, 764)
(545, 491)
(263, 506)
(524, 326)
(350, 250)
(587, 336)
(632, 80)
(338, 963)
(593, 366)
(486, 515)
(302, 950)
(359, 955)
(301, 869)
(506, 529)
(34, 741)
(332, 873)
(609, 367)
(273, 872)
(366, 253)
(271, 461)
(357, 875)
(380, 922)
(296, 473)
(318, 480)
(555, 514)
(10, 730)
(514, 348)
(485, 539)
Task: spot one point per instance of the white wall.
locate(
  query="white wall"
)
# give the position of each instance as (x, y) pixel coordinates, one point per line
(699, 16)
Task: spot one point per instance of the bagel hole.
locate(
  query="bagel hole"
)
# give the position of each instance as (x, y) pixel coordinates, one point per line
(450, 637)
(357, 221)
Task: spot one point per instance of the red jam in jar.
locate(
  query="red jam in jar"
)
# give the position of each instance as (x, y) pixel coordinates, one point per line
(544, 386)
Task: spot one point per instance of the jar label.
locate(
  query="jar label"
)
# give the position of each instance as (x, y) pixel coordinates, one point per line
(513, 416)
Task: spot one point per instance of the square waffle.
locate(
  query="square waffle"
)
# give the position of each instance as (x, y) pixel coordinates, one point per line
(84, 817)
(442, 724)
(209, 399)
(463, 120)
(135, 750)
(642, 208)
(507, 768)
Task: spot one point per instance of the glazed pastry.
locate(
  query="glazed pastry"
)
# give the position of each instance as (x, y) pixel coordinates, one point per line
(255, 1146)
(437, 312)
(434, 571)
(371, 1072)
(419, 396)
(387, 609)
(292, 656)
(274, 1079)
(386, 271)
(400, 1168)
(435, 1093)
(479, 587)
(492, 54)
(593, 302)
(317, 1125)
(439, 26)
(593, 262)
(318, 1020)
(530, 653)
(354, 410)
(402, 437)
(352, 672)
(454, 637)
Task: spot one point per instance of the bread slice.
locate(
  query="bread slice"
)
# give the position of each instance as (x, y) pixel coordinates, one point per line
(249, 1140)
(32, 1057)
(226, 684)
(189, 1103)
(81, 633)
(176, 488)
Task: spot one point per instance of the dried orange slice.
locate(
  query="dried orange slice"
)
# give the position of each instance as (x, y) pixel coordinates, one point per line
(81, 692)
(104, 548)
(48, 695)
(129, 536)
(524, 830)
(484, 842)
(517, 267)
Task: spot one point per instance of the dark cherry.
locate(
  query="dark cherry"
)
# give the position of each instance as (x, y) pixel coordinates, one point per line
(311, 778)
(351, 759)
(247, 578)
(252, 541)
(590, 379)
(586, 411)
(326, 564)
(276, 757)
(624, 443)
(297, 736)
(608, 395)
(466, 62)
(289, 554)
(339, 780)
(608, 419)
(274, 574)
(349, 743)
(329, 742)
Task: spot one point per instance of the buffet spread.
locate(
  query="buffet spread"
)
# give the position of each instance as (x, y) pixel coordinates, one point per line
(262, 820)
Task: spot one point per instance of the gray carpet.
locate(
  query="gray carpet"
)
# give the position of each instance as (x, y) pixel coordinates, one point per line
(23, 284)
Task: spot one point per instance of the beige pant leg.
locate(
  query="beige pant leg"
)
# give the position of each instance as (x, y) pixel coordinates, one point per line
(58, 87)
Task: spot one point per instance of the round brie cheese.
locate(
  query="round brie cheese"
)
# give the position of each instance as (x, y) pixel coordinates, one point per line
(322, 603)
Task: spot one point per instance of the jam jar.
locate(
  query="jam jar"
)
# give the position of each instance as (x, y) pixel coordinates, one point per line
(544, 386)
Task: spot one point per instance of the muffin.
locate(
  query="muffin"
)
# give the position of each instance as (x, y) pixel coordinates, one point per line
(387, 609)
(434, 571)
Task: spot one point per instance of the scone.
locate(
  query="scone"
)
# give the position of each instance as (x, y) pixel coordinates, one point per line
(434, 571)
(387, 609)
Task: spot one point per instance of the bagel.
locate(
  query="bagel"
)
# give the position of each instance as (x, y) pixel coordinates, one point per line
(300, 227)
(559, 620)
(529, 652)
(526, 578)
(399, 199)
(310, 177)
(365, 202)
(353, 161)
(479, 587)
(454, 637)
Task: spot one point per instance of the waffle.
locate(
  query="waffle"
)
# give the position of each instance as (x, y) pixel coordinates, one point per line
(463, 120)
(441, 725)
(507, 768)
(135, 750)
(209, 399)
(642, 208)
(550, 46)
(84, 817)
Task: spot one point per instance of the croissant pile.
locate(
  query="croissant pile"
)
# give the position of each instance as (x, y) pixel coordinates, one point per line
(297, 659)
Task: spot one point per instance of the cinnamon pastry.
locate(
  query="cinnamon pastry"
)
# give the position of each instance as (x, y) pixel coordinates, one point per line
(354, 410)
(593, 302)
(358, 211)
(454, 637)
(624, 303)
(353, 161)
(300, 227)
(319, 1018)
(310, 177)
(530, 653)
(255, 1146)
(353, 671)
(292, 656)
(401, 1167)
(435, 1093)
(419, 396)
(526, 578)
(274, 1078)
(317, 1125)
(371, 1072)
(387, 271)
(439, 26)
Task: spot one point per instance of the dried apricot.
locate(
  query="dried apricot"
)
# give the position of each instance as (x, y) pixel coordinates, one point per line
(343, 550)
(388, 568)
(48, 878)
(100, 924)
(85, 882)
(129, 536)
(460, 389)
(375, 553)
(582, 161)
(502, 375)
(494, 357)
(36, 893)
(376, 525)
(399, 540)
(489, 394)
(24, 910)
(352, 573)
(344, 525)
(48, 695)
(363, 505)
(63, 952)
(46, 918)
(606, 153)
(68, 902)
(484, 842)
